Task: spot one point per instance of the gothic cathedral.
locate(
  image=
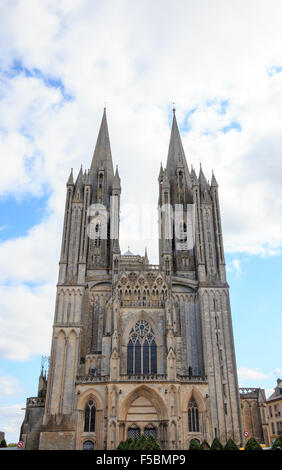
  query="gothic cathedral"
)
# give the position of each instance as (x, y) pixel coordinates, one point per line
(139, 348)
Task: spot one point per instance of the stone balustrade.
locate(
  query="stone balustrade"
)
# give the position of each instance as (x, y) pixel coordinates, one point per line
(140, 378)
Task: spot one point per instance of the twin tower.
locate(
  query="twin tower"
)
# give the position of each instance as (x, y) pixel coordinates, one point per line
(139, 348)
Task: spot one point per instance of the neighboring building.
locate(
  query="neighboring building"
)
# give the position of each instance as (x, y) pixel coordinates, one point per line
(140, 348)
(254, 416)
(34, 411)
(2, 436)
(274, 412)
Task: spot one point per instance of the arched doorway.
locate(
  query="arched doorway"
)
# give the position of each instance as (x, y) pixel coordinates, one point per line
(144, 412)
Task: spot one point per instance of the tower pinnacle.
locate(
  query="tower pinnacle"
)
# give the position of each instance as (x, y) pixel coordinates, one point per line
(102, 152)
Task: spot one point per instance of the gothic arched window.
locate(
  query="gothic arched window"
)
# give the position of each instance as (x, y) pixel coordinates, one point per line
(89, 417)
(141, 350)
(193, 416)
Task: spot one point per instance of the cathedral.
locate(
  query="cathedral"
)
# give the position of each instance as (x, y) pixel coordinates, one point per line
(139, 348)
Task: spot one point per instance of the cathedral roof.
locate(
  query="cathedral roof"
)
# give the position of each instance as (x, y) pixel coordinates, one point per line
(128, 253)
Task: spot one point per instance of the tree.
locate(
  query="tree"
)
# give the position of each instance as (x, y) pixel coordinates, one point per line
(194, 445)
(277, 444)
(252, 444)
(216, 444)
(205, 446)
(230, 445)
(140, 443)
(3, 443)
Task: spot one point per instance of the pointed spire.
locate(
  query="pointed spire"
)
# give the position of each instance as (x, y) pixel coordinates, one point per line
(116, 180)
(79, 179)
(204, 186)
(176, 156)
(165, 179)
(194, 177)
(102, 153)
(87, 178)
(213, 180)
(70, 180)
(146, 256)
(161, 172)
(202, 179)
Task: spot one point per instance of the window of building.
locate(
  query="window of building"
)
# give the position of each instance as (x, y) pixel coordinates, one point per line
(89, 417)
(193, 416)
(97, 235)
(88, 445)
(150, 431)
(141, 350)
(134, 433)
(272, 428)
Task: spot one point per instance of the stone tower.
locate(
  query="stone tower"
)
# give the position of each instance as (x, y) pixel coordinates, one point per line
(140, 348)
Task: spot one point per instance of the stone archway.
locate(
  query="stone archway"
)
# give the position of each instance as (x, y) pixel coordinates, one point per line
(142, 410)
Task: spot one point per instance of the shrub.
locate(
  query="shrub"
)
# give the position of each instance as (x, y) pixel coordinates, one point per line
(205, 446)
(3, 443)
(277, 444)
(252, 444)
(230, 445)
(194, 445)
(216, 444)
(140, 443)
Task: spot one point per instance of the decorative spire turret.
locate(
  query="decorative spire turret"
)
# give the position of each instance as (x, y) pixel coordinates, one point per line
(116, 180)
(70, 181)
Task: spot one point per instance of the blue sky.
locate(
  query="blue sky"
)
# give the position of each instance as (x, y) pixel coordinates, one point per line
(59, 65)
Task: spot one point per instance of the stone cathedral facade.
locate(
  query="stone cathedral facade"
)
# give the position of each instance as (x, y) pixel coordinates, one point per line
(138, 348)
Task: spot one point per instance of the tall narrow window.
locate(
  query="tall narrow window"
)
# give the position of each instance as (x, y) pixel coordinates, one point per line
(153, 357)
(146, 351)
(141, 350)
(89, 417)
(137, 357)
(130, 358)
(193, 416)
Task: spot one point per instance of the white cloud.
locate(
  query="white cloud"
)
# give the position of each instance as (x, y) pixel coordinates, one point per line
(9, 385)
(138, 57)
(268, 392)
(26, 316)
(246, 373)
(11, 418)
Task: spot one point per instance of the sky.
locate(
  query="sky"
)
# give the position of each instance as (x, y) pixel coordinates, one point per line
(60, 63)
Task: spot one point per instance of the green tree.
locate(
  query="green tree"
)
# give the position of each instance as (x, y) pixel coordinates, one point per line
(277, 444)
(140, 443)
(230, 445)
(205, 445)
(194, 445)
(252, 444)
(3, 443)
(216, 444)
